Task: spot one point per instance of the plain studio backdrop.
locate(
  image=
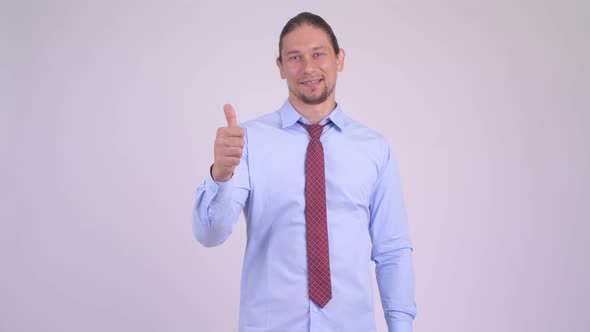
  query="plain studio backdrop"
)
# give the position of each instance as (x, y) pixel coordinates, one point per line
(109, 111)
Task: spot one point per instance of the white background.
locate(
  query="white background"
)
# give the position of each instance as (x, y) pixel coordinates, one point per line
(109, 111)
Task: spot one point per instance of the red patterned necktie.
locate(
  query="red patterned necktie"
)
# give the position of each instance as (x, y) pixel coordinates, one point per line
(318, 260)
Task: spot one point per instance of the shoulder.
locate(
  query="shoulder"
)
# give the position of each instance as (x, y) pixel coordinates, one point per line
(262, 128)
(359, 131)
(272, 120)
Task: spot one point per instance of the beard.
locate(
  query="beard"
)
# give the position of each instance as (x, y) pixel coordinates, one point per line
(314, 100)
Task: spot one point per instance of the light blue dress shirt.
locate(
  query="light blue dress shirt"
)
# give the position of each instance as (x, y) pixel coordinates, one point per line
(366, 221)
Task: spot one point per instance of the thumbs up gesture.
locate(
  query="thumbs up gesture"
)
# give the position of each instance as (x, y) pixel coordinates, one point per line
(229, 143)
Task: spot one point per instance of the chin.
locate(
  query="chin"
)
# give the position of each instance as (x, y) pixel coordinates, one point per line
(314, 100)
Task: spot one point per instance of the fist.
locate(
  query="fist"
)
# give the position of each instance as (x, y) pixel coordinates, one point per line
(229, 143)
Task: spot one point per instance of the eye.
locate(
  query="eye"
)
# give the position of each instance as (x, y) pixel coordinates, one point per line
(318, 54)
(294, 57)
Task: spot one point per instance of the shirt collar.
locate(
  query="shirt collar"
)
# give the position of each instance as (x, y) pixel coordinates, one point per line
(290, 116)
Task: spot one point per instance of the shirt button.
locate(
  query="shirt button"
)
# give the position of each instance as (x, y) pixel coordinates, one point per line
(315, 309)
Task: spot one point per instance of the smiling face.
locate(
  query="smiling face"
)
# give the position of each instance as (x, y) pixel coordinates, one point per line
(309, 64)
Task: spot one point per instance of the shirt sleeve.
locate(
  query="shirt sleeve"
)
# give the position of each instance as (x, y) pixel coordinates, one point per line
(217, 205)
(392, 248)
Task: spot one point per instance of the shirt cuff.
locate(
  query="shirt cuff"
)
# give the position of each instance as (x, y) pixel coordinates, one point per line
(220, 191)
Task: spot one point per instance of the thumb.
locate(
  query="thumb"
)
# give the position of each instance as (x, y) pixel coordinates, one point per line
(230, 115)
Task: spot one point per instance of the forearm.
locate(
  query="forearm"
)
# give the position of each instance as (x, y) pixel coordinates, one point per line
(216, 209)
(395, 278)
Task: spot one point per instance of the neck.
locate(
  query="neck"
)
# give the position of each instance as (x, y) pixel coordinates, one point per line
(313, 113)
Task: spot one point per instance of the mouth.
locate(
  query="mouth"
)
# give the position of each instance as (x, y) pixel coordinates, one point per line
(312, 83)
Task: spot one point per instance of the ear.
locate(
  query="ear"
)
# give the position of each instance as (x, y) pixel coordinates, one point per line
(280, 65)
(340, 60)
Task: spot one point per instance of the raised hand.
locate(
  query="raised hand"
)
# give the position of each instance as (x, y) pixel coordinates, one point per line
(229, 143)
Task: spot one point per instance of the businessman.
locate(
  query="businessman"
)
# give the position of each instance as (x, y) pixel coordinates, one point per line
(321, 196)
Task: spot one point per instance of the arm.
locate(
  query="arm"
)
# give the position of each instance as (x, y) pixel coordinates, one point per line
(218, 205)
(392, 249)
(220, 199)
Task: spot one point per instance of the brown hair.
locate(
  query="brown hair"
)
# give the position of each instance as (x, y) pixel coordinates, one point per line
(307, 18)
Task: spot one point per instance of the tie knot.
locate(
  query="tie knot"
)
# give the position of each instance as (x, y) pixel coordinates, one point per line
(314, 130)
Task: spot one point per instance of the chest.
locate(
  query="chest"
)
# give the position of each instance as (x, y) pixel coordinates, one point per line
(277, 166)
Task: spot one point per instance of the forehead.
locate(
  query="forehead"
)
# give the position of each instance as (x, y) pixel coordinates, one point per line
(305, 37)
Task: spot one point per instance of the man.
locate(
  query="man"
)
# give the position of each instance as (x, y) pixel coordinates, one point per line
(321, 197)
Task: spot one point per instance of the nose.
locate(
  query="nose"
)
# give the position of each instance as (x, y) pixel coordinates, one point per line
(308, 65)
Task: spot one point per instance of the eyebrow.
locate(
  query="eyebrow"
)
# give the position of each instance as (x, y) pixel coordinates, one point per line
(317, 48)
